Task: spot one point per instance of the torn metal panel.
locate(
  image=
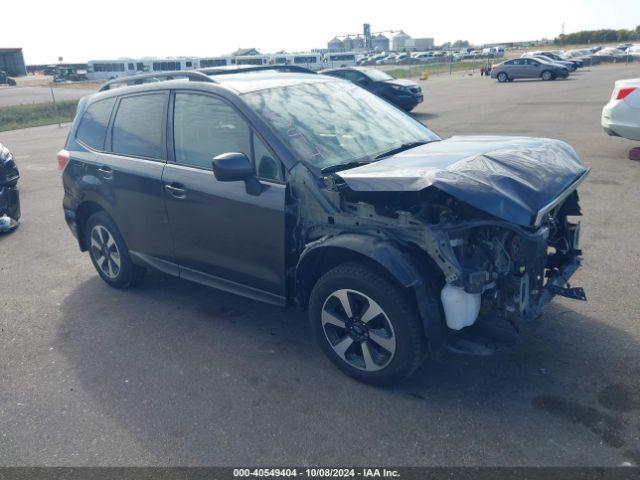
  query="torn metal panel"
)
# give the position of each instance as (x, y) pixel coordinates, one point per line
(321, 211)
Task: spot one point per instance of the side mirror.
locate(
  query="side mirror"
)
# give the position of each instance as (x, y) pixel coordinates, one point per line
(233, 167)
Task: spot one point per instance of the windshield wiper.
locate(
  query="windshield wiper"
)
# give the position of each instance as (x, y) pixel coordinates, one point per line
(344, 166)
(401, 148)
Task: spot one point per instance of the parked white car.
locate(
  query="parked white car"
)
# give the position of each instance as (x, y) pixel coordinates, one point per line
(634, 51)
(621, 116)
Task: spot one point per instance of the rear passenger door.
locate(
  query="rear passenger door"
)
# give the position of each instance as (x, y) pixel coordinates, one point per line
(133, 170)
(224, 236)
(533, 68)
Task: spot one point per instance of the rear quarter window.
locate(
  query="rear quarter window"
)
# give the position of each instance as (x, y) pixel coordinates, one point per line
(93, 125)
(138, 126)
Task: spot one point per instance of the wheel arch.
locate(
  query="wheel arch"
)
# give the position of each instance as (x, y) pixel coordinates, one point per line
(383, 256)
(82, 215)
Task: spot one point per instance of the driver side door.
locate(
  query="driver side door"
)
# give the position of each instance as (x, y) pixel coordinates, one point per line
(223, 235)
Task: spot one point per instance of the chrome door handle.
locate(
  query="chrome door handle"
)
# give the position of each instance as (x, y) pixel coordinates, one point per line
(177, 191)
(106, 173)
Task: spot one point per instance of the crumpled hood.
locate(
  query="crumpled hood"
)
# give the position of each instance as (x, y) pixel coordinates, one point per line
(512, 178)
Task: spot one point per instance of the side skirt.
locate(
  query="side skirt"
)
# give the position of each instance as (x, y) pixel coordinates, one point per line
(202, 278)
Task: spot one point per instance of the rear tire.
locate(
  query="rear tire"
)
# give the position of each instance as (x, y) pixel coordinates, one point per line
(503, 77)
(377, 337)
(109, 253)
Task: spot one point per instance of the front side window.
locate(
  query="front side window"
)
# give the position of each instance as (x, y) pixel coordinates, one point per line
(93, 126)
(353, 76)
(137, 128)
(205, 127)
(266, 164)
(327, 123)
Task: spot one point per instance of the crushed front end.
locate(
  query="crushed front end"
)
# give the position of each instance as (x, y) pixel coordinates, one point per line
(508, 273)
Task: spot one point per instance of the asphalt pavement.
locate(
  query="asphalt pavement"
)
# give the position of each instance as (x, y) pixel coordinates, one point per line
(174, 373)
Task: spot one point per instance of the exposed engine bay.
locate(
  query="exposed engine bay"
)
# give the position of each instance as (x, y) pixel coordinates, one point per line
(486, 268)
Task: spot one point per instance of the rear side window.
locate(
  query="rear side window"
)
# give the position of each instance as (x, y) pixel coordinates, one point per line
(137, 128)
(93, 126)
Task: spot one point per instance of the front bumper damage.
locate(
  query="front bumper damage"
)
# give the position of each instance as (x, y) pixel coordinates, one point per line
(489, 235)
(508, 303)
(491, 334)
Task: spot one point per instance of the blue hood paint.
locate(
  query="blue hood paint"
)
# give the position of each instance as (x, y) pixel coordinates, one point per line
(511, 178)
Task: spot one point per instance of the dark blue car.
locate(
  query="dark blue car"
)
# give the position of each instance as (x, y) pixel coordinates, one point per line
(402, 93)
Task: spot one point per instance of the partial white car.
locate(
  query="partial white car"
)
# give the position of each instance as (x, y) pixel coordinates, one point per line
(621, 116)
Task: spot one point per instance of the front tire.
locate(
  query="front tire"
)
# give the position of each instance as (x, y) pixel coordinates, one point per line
(547, 75)
(109, 253)
(367, 325)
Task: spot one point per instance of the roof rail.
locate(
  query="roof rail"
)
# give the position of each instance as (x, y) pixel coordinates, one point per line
(193, 76)
(253, 68)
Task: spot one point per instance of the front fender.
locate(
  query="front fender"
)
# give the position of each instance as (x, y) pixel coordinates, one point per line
(386, 254)
(383, 252)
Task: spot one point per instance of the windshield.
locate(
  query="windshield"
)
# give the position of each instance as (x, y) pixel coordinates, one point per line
(328, 123)
(377, 75)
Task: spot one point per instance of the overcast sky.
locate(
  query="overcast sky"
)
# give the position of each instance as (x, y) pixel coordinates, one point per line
(85, 30)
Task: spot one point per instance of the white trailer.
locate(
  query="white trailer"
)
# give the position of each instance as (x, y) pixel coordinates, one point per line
(338, 60)
(109, 69)
(208, 62)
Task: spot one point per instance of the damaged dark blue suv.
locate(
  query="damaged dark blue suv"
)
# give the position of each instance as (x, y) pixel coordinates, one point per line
(300, 189)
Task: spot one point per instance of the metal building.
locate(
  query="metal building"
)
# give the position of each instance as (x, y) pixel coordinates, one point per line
(335, 45)
(380, 43)
(399, 40)
(12, 62)
(418, 44)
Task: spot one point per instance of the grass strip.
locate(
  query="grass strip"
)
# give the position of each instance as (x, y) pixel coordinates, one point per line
(36, 114)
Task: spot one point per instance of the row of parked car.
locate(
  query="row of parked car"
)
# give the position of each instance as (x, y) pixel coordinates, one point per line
(554, 64)
(596, 55)
(433, 56)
